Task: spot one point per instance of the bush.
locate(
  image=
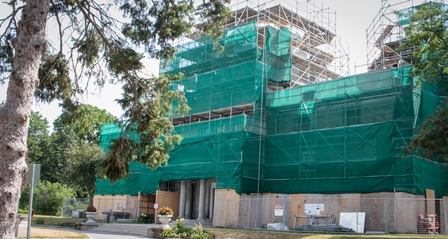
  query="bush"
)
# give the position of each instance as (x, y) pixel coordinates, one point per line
(179, 230)
(48, 197)
(168, 232)
(198, 233)
(23, 211)
(39, 221)
(143, 218)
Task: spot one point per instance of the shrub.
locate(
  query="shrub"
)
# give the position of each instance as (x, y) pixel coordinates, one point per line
(168, 232)
(179, 230)
(198, 233)
(143, 218)
(39, 221)
(23, 211)
(48, 197)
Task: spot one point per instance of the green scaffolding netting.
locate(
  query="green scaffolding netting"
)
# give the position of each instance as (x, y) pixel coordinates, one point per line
(341, 136)
(348, 138)
(216, 147)
(216, 80)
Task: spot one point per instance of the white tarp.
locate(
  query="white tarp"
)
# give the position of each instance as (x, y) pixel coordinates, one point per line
(277, 227)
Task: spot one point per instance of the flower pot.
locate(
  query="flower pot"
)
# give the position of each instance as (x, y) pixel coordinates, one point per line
(165, 219)
(91, 216)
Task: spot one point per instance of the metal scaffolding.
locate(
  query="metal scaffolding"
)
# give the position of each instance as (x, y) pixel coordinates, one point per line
(293, 42)
(386, 33)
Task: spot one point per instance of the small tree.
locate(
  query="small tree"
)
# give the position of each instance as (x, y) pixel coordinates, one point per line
(83, 166)
(427, 34)
(101, 49)
(48, 197)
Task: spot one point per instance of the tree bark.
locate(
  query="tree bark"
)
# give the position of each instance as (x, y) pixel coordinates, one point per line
(29, 46)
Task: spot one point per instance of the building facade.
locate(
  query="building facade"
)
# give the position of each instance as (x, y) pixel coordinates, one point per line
(273, 116)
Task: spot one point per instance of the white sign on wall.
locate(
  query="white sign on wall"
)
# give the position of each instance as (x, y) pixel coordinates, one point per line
(278, 210)
(314, 209)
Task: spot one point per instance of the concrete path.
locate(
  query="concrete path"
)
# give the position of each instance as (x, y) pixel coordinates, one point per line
(22, 233)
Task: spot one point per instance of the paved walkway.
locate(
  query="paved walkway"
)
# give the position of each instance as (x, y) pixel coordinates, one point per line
(22, 233)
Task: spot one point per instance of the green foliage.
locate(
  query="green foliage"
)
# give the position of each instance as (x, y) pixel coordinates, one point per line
(212, 12)
(148, 105)
(198, 233)
(179, 230)
(6, 54)
(144, 218)
(89, 47)
(48, 197)
(83, 120)
(39, 221)
(23, 211)
(53, 161)
(427, 35)
(55, 83)
(100, 52)
(74, 156)
(431, 141)
(58, 221)
(168, 232)
(37, 141)
(83, 163)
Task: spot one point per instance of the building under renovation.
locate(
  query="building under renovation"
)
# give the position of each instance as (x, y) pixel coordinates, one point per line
(275, 117)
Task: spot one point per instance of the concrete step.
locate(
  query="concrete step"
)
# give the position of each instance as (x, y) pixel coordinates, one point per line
(193, 222)
(123, 228)
(141, 229)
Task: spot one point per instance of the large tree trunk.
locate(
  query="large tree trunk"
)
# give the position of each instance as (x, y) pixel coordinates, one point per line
(14, 117)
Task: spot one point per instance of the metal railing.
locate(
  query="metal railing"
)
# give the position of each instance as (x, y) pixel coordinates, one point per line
(120, 208)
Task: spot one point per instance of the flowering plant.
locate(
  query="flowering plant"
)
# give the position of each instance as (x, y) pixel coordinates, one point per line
(166, 211)
(91, 208)
(179, 230)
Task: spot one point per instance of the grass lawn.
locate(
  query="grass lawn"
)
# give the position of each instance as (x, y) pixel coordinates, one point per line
(220, 233)
(56, 221)
(50, 233)
(225, 233)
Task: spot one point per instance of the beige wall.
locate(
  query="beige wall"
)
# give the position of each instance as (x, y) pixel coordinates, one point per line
(170, 199)
(106, 203)
(404, 217)
(297, 208)
(226, 208)
(430, 204)
(384, 211)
